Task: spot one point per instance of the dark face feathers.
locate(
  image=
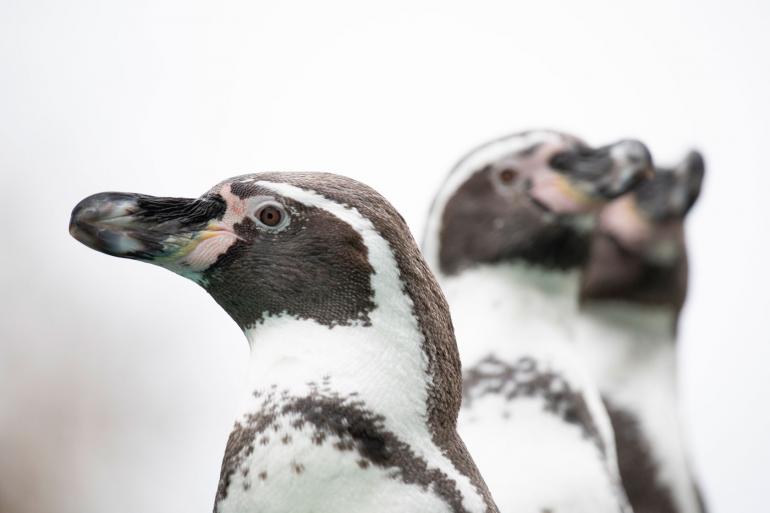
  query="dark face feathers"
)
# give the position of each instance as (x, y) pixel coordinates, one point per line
(257, 253)
(317, 268)
(308, 264)
(480, 225)
(638, 253)
(531, 204)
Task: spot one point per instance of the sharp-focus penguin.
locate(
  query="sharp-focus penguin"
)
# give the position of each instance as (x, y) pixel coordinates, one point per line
(632, 293)
(354, 379)
(507, 235)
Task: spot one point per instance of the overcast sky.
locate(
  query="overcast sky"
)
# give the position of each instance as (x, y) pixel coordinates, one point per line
(119, 381)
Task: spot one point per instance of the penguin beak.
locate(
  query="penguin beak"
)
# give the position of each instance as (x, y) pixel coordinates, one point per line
(607, 172)
(147, 228)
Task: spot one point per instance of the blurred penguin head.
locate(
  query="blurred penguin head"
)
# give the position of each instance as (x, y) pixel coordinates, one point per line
(638, 252)
(530, 196)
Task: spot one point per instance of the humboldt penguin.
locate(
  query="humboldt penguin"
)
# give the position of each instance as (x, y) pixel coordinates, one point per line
(507, 235)
(354, 377)
(632, 294)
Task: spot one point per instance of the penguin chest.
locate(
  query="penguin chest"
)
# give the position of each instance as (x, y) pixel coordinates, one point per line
(305, 476)
(320, 454)
(534, 440)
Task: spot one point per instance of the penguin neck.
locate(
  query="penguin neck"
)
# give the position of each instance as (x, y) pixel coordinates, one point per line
(377, 371)
(384, 359)
(381, 364)
(523, 309)
(626, 343)
(630, 351)
(629, 309)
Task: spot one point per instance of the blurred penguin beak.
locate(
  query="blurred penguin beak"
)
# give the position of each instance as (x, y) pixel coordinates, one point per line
(607, 172)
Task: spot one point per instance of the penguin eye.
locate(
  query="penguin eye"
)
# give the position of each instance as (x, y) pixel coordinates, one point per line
(270, 215)
(508, 175)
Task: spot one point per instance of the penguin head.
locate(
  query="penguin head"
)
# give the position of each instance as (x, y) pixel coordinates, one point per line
(528, 197)
(648, 221)
(258, 244)
(314, 247)
(638, 251)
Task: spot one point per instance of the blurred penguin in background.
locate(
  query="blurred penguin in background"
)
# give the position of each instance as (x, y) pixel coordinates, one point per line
(508, 235)
(632, 293)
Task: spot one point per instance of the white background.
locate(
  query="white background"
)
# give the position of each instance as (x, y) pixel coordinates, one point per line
(119, 381)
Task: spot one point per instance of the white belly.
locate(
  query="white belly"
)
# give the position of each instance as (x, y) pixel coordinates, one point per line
(533, 461)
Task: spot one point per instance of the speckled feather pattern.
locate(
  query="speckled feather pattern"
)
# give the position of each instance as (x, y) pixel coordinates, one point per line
(531, 418)
(333, 423)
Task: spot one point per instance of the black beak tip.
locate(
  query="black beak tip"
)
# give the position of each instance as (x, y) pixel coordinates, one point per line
(637, 153)
(638, 159)
(90, 220)
(81, 214)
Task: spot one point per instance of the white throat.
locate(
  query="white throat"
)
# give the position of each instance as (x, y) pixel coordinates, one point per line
(519, 309)
(621, 341)
(378, 363)
(373, 360)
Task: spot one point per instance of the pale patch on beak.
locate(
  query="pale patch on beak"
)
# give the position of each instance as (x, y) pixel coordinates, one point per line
(555, 193)
(626, 223)
(218, 236)
(202, 251)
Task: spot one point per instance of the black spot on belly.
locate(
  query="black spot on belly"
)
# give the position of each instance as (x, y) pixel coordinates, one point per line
(524, 378)
(350, 426)
(638, 470)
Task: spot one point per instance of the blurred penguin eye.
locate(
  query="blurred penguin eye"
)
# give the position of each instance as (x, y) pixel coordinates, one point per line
(508, 175)
(270, 215)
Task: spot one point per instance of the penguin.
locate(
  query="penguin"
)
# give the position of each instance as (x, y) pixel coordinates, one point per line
(354, 379)
(632, 294)
(507, 235)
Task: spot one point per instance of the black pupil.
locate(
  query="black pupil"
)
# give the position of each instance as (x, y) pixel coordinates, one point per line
(270, 216)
